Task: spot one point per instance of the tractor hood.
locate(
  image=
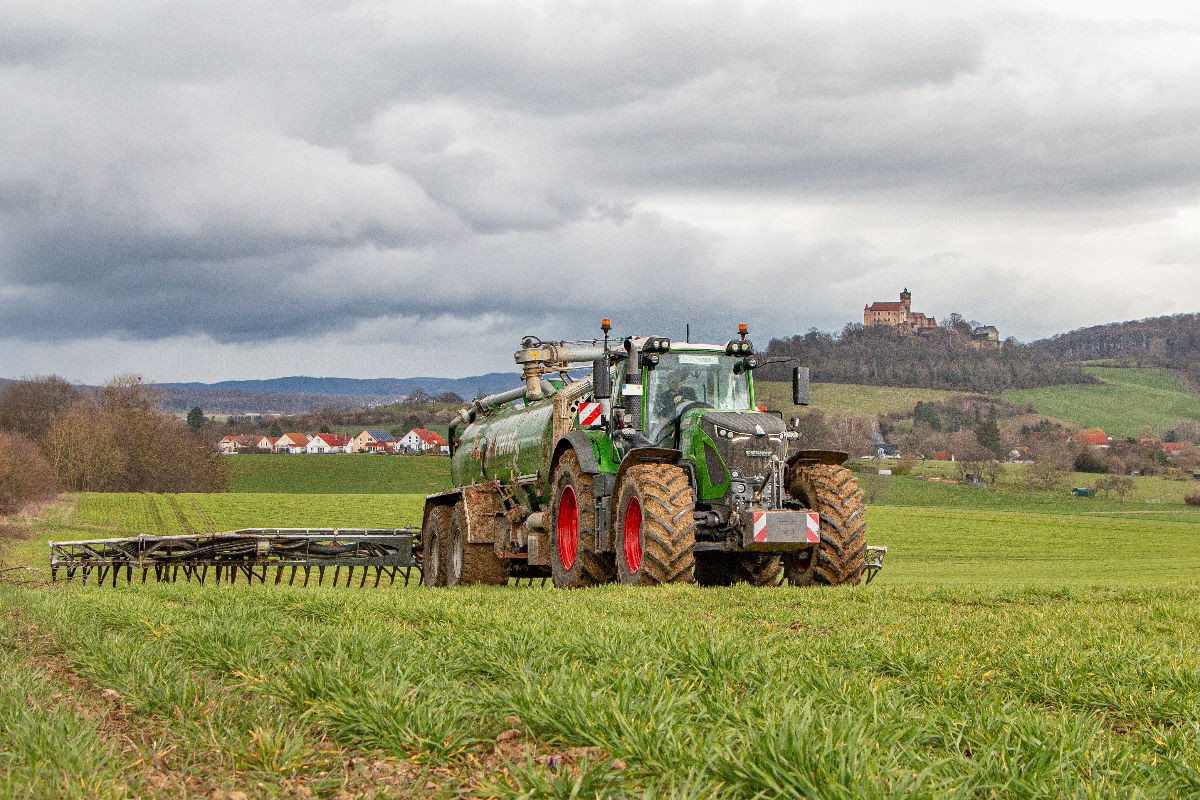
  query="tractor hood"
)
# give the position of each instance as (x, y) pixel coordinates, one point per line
(734, 444)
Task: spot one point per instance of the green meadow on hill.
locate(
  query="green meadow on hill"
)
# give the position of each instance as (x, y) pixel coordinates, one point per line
(1128, 402)
(832, 398)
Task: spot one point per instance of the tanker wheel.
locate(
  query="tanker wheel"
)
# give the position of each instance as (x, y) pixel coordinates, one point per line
(832, 491)
(575, 561)
(433, 540)
(468, 564)
(655, 529)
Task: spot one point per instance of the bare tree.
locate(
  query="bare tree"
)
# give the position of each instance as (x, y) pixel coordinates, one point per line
(25, 475)
(29, 407)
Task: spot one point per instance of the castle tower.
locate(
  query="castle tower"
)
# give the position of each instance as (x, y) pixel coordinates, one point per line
(906, 300)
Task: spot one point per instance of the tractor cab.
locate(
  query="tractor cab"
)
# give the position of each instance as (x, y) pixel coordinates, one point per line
(687, 380)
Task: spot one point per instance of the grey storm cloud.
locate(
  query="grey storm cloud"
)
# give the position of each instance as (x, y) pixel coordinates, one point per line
(254, 172)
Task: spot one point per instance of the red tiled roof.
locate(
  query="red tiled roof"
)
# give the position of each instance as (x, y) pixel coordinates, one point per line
(1093, 438)
(1174, 447)
(892, 306)
(428, 436)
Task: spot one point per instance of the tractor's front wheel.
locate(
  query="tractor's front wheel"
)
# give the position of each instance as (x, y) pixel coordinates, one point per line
(433, 541)
(468, 564)
(655, 529)
(832, 491)
(575, 560)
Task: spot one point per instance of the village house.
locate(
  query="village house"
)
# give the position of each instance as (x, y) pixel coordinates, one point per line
(1097, 438)
(328, 443)
(420, 440)
(370, 436)
(291, 443)
(231, 445)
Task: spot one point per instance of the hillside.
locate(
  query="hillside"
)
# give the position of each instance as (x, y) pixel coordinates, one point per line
(1128, 401)
(880, 356)
(833, 398)
(1171, 342)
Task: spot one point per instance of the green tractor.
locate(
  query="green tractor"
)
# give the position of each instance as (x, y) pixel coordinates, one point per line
(656, 466)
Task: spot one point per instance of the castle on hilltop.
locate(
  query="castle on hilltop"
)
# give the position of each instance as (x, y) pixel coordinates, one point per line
(899, 315)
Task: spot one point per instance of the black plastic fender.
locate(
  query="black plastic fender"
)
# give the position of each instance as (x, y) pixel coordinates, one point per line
(579, 441)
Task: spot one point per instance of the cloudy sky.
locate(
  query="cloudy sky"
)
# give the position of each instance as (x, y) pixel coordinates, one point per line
(203, 191)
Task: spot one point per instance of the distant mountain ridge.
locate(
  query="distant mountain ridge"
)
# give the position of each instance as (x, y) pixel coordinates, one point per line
(300, 394)
(378, 387)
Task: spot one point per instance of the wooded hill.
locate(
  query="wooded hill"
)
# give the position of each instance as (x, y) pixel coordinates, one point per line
(1168, 342)
(882, 356)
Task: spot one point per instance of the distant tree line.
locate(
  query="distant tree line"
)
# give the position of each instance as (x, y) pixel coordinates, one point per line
(883, 356)
(110, 439)
(1169, 342)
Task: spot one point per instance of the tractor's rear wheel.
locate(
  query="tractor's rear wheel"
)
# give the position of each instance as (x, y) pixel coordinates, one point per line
(468, 564)
(433, 540)
(832, 491)
(655, 530)
(575, 560)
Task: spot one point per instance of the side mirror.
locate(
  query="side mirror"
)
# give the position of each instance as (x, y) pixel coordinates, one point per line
(601, 380)
(800, 386)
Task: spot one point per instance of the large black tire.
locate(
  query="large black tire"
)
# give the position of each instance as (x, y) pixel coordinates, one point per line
(655, 530)
(832, 492)
(468, 564)
(433, 546)
(575, 560)
(764, 569)
(725, 569)
(714, 569)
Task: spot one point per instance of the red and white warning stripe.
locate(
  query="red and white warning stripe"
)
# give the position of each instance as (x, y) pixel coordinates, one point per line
(760, 526)
(814, 527)
(589, 414)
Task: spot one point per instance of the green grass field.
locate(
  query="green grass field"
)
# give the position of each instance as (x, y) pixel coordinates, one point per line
(1001, 654)
(1130, 400)
(358, 473)
(832, 398)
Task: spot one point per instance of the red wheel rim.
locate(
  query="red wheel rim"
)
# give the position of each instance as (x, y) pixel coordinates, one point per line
(633, 531)
(568, 527)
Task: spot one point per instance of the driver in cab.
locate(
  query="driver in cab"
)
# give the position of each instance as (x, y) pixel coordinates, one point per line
(675, 393)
